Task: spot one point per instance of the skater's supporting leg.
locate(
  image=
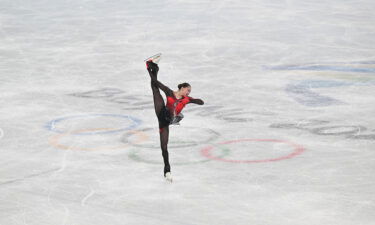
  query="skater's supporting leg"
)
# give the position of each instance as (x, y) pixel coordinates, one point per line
(164, 136)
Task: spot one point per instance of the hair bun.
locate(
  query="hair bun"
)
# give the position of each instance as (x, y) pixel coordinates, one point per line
(183, 85)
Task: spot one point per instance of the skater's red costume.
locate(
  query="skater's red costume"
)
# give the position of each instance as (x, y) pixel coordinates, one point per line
(175, 105)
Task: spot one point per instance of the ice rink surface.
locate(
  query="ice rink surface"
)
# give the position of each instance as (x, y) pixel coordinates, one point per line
(286, 135)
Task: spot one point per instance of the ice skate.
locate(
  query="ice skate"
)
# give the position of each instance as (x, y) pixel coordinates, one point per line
(152, 63)
(168, 177)
(155, 58)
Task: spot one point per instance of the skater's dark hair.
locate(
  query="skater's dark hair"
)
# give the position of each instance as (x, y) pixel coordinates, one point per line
(183, 85)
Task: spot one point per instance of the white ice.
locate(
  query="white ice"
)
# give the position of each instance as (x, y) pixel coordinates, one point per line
(286, 135)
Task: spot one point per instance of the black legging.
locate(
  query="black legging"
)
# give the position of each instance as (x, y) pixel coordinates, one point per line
(160, 113)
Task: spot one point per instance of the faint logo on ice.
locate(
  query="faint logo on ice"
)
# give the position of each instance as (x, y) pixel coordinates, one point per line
(346, 67)
(324, 128)
(131, 101)
(303, 92)
(350, 73)
(1, 133)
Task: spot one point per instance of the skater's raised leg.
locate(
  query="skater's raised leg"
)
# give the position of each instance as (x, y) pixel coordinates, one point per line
(158, 99)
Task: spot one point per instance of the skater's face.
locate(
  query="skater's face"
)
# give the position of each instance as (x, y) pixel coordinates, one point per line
(185, 91)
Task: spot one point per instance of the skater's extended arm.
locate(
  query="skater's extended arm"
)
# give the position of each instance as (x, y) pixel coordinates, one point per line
(196, 101)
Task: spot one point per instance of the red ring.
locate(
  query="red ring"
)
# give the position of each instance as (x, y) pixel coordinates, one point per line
(298, 149)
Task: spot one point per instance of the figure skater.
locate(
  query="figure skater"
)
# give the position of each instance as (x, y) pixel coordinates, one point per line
(169, 113)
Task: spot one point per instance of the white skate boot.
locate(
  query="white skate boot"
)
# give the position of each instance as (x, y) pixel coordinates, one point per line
(168, 177)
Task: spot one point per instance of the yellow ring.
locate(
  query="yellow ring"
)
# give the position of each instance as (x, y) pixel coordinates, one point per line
(54, 140)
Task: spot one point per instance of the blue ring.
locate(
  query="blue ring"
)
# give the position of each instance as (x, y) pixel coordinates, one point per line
(136, 122)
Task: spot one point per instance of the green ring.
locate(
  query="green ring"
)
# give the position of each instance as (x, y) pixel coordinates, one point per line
(124, 139)
(134, 156)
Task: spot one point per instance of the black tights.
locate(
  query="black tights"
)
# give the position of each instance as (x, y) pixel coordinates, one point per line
(159, 105)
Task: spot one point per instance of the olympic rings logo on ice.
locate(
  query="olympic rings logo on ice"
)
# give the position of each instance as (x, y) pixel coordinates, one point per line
(66, 128)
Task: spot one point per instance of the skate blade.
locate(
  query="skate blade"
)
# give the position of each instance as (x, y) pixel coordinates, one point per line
(155, 58)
